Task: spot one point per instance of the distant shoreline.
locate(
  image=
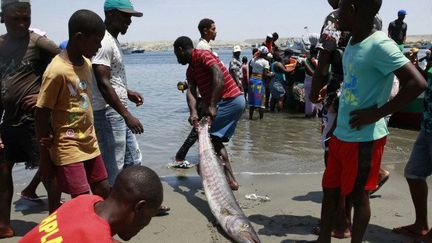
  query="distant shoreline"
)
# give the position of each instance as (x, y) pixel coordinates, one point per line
(414, 40)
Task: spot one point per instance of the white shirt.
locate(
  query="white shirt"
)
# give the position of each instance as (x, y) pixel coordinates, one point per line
(110, 55)
(259, 64)
(203, 45)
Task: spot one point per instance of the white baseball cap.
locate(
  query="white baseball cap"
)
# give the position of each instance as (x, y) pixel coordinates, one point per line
(237, 49)
(263, 50)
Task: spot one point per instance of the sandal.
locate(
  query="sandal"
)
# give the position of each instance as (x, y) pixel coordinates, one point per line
(181, 164)
(163, 210)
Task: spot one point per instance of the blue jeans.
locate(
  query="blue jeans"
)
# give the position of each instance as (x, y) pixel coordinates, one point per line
(118, 145)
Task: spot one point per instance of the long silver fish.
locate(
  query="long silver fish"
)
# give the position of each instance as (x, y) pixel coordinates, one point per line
(220, 197)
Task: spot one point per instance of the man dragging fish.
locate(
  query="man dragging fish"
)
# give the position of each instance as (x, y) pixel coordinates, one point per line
(224, 105)
(221, 97)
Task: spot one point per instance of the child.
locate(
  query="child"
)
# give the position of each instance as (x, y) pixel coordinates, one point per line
(64, 109)
(370, 60)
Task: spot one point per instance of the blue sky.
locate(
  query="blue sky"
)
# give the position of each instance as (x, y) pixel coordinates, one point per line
(235, 19)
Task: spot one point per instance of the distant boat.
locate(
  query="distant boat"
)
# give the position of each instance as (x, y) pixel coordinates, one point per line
(127, 50)
(137, 50)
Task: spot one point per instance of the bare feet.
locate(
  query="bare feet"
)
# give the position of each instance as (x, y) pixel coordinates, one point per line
(6, 232)
(412, 231)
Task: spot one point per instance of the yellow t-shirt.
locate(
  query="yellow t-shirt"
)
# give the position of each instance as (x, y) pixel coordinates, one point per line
(66, 91)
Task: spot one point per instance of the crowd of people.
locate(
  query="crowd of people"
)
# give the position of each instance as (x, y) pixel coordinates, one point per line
(65, 111)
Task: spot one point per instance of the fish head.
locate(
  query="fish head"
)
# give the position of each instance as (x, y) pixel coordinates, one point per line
(241, 230)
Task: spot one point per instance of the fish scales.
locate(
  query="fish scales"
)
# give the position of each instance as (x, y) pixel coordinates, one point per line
(219, 195)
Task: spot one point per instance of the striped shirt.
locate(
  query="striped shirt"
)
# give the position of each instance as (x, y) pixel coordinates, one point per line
(199, 73)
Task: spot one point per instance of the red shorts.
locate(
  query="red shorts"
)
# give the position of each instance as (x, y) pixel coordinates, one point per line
(75, 179)
(353, 164)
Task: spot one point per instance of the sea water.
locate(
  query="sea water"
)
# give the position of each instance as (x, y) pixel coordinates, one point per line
(281, 143)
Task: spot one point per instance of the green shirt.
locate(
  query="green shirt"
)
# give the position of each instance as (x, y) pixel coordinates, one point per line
(368, 77)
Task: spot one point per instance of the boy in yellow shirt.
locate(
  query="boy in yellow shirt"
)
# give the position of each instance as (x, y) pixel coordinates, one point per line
(64, 110)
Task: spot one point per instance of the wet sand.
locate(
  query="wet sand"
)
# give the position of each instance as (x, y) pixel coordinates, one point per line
(291, 214)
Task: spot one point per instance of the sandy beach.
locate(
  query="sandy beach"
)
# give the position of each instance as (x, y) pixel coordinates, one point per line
(291, 214)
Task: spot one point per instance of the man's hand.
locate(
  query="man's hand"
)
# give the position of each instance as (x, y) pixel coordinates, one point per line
(29, 103)
(211, 112)
(364, 117)
(1, 145)
(134, 124)
(193, 120)
(135, 97)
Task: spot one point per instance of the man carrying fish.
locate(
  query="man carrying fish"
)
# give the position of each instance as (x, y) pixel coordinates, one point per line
(221, 97)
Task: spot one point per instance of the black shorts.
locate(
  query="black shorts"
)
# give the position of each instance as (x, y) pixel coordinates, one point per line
(20, 144)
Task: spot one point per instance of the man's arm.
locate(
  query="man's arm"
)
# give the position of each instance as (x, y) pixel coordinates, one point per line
(233, 72)
(192, 98)
(390, 30)
(218, 83)
(48, 50)
(412, 83)
(319, 76)
(43, 131)
(103, 76)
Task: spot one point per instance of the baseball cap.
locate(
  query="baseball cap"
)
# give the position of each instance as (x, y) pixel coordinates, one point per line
(402, 12)
(236, 49)
(7, 2)
(270, 35)
(123, 6)
(263, 50)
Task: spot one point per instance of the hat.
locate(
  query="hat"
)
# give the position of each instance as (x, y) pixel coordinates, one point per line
(270, 35)
(402, 12)
(236, 49)
(122, 5)
(263, 50)
(7, 2)
(414, 50)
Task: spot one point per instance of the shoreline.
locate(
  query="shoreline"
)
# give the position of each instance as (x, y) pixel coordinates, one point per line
(166, 45)
(292, 212)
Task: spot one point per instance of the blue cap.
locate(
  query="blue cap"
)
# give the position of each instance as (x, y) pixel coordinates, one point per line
(122, 5)
(402, 12)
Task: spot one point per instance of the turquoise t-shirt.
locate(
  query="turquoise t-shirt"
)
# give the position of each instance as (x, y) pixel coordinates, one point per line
(368, 77)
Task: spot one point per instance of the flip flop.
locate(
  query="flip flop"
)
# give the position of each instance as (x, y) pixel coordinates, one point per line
(404, 230)
(380, 183)
(32, 199)
(343, 235)
(163, 210)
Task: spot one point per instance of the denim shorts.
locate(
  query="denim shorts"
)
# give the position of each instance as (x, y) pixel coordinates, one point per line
(118, 145)
(228, 113)
(419, 165)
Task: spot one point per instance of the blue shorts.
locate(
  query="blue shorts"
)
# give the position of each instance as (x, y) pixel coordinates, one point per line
(228, 114)
(419, 165)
